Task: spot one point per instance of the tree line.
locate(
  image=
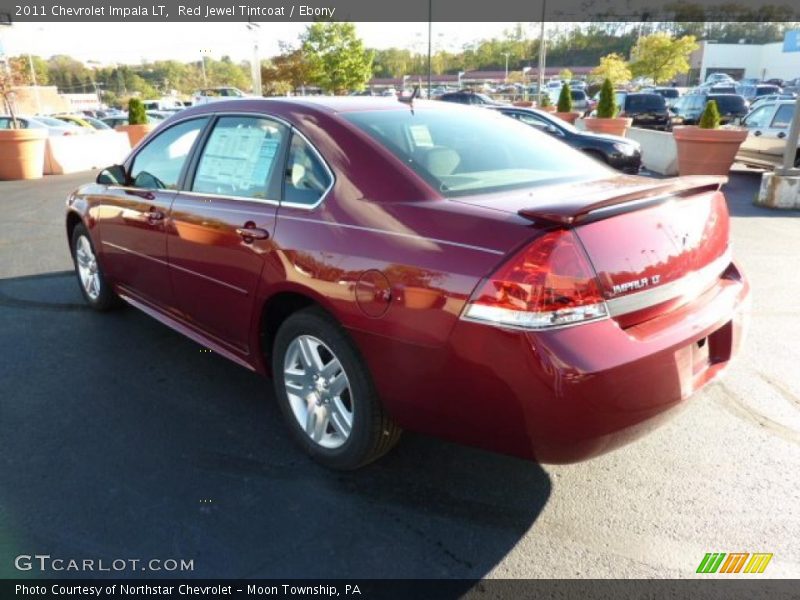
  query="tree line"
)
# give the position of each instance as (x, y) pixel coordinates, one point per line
(330, 56)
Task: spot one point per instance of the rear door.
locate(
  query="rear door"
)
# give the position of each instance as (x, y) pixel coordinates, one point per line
(756, 122)
(222, 225)
(773, 139)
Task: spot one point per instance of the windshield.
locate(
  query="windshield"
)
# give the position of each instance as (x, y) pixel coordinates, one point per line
(729, 103)
(639, 102)
(763, 90)
(462, 152)
(670, 93)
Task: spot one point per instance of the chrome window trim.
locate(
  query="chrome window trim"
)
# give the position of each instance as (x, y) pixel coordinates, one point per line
(292, 130)
(691, 285)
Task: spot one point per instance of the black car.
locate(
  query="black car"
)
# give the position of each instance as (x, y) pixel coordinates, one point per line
(670, 94)
(468, 97)
(648, 111)
(688, 109)
(618, 152)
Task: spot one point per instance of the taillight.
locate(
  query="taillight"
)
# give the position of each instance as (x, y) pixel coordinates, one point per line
(549, 283)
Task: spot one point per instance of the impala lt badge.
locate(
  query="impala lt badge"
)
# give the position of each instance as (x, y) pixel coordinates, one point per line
(636, 284)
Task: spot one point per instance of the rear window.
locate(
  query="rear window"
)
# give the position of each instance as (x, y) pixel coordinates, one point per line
(578, 95)
(670, 93)
(639, 102)
(464, 152)
(729, 103)
(763, 90)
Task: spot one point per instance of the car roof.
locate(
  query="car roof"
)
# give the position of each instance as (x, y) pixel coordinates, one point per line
(322, 104)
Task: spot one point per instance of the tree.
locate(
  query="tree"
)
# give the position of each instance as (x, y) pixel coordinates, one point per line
(565, 99)
(136, 113)
(613, 68)
(10, 78)
(336, 57)
(606, 107)
(285, 73)
(565, 75)
(710, 118)
(660, 56)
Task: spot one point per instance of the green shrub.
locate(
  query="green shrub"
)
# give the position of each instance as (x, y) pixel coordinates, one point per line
(710, 118)
(606, 108)
(565, 99)
(136, 112)
(544, 100)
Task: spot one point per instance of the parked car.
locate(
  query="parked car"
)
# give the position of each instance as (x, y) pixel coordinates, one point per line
(216, 94)
(648, 111)
(467, 276)
(714, 78)
(689, 108)
(54, 127)
(123, 120)
(751, 92)
(468, 97)
(580, 101)
(772, 98)
(768, 126)
(670, 94)
(722, 89)
(83, 121)
(620, 153)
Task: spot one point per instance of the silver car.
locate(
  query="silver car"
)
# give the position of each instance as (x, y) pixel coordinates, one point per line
(768, 126)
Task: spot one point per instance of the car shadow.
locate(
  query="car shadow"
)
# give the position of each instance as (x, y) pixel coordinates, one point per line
(121, 439)
(741, 191)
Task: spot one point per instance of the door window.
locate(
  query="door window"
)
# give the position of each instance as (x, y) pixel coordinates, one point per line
(759, 117)
(783, 118)
(159, 164)
(307, 179)
(240, 157)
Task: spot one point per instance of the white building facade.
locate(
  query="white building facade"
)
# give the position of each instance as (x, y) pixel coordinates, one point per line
(780, 60)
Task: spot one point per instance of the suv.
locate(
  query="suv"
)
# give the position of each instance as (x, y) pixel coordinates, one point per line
(689, 109)
(214, 94)
(768, 125)
(648, 111)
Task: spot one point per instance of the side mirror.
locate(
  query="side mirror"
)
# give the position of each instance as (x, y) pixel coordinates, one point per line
(113, 175)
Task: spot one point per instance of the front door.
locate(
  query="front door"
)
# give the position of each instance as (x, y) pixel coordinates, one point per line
(221, 226)
(131, 218)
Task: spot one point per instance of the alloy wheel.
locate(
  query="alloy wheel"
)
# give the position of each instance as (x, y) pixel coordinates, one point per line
(87, 268)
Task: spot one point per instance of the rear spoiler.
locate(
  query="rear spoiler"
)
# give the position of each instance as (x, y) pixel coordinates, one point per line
(608, 204)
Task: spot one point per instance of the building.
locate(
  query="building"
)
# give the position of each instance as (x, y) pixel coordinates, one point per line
(780, 60)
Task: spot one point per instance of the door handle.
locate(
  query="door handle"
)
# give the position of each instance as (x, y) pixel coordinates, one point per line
(781, 135)
(248, 234)
(756, 133)
(154, 215)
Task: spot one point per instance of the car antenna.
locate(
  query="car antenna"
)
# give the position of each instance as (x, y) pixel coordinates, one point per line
(410, 99)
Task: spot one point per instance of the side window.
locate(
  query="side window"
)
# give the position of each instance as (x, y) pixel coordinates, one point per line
(306, 178)
(759, 117)
(783, 118)
(158, 165)
(240, 157)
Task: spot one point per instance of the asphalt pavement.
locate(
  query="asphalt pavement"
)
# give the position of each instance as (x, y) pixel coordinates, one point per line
(120, 439)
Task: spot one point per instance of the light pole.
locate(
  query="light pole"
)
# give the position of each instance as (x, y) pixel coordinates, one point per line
(203, 66)
(255, 68)
(430, 28)
(542, 51)
(525, 71)
(460, 74)
(35, 85)
(506, 54)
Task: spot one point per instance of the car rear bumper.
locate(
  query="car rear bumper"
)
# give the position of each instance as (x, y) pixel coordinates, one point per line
(568, 394)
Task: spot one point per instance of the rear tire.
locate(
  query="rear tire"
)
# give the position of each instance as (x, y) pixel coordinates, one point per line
(96, 291)
(326, 393)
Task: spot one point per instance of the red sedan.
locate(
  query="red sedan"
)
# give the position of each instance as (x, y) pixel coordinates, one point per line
(429, 267)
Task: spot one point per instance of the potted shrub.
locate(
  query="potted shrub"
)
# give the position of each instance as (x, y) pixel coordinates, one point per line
(607, 120)
(545, 104)
(707, 149)
(564, 107)
(21, 150)
(138, 126)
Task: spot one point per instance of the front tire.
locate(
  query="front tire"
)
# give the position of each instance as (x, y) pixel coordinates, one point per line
(97, 293)
(326, 393)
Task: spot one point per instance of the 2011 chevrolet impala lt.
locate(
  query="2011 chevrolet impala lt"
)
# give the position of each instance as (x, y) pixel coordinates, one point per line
(428, 267)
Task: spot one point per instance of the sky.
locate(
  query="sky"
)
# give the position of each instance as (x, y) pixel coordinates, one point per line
(133, 42)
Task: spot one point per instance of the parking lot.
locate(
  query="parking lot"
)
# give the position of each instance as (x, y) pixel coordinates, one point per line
(122, 439)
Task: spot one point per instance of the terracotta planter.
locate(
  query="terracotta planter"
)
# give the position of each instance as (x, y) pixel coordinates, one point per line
(707, 151)
(22, 153)
(612, 126)
(136, 133)
(549, 109)
(522, 103)
(569, 117)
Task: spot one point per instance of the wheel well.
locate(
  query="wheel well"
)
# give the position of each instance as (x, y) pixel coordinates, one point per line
(595, 154)
(275, 311)
(73, 220)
